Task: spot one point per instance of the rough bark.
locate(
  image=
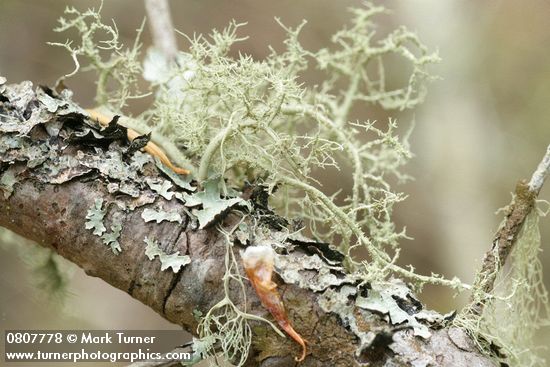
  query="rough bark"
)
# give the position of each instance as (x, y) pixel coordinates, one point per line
(48, 198)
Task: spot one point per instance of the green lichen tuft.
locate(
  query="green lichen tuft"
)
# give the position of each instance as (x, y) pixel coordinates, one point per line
(118, 68)
(517, 307)
(252, 120)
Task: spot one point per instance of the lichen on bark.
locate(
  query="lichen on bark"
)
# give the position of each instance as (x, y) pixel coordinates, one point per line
(51, 199)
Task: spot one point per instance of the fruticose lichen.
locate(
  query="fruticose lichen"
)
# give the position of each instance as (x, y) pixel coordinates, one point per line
(225, 328)
(517, 308)
(238, 118)
(240, 121)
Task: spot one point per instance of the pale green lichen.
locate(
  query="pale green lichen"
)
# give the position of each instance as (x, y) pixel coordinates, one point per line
(239, 118)
(183, 182)
(94, 218)
(150, 215)
(311, 272)
(337, 302)
(518, 306)
(117, 73)
(7, 181)
(211, 203)
(383, 298)
(162, 188)
(174, 261)
(111, 238)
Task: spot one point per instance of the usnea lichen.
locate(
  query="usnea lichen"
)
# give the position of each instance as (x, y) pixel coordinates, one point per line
(520, 298)
(252, 120)
(118, 71)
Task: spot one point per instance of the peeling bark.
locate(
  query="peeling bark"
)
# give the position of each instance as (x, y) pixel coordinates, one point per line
(48, 201)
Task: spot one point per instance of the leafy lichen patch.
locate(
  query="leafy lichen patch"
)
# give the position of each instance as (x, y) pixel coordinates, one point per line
(440, 350)
(174, 261)
(139, 160)
(7, 180)
(383, 298)
(29, 108)
(392, 299)
(150, 215)
(20, 148)
(182, 181)
(336, 301)
(60, 169)
(111, 238)
(162, 187)
(211, 201)
(311, 272)
(110, 164)
(19, 97)
(94, 218)
(25, 108)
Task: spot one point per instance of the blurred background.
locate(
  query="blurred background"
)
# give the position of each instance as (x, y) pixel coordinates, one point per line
(483, 127)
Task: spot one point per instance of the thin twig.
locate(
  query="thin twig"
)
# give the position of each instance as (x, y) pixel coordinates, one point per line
(539, 176)
(506, 236)
(162, 29)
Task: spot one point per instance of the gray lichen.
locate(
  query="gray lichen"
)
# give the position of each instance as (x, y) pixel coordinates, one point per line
(111, 238)
(211, 202)
(7, 181)
(150, 215)
(162, 187)
(94, 218)
(312, 272)
(174, 261)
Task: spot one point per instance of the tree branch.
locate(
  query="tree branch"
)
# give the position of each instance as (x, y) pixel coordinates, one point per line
(162, 29)
(56, 164)
(505, 238)
(542, 171)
